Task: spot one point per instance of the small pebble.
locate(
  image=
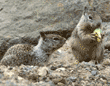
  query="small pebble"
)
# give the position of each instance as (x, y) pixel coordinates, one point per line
(1, 75)
(97, 77)
(94, 73)
(73, 79)
(60, 84)
(53, 68)
(59, 51)
(10, 68)
(1, 81)
(57, 80)
(1, 71)
(104, 81)
(100, 67)
(91, 77)
(42, 71)
(42, 83)
(108, 51)
(88, 69)
(60, 69)
(61, 65)
(108, 83)
(105, 54)
(44, 78)
(103, 77)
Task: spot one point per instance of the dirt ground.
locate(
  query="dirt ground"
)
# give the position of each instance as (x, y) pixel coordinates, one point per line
(62, 70)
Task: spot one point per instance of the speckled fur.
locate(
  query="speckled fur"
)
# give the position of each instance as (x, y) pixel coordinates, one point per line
(84, 45)
(33, 55)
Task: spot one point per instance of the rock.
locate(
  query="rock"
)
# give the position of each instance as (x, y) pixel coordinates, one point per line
(41, 83)
(73, 79)
(10, 68)
(100, 67)
(60, 69)
(107, 36)
(1, 76)
(106, 62)
(46, 79)
(105, 54)
(55, 74)
(108, 82)
(103, 77)
(88, 69)
(107, 45)
(97, 77)
(91, 77)
(60, 65)
(103, 80)
(57, 80)
(1, 71)
(43, 71)
(33, 77)
(10, 83)
(1, 82)
(60, 84)
(88, 64)
(53, 68)
(94, 73)
(59, 51)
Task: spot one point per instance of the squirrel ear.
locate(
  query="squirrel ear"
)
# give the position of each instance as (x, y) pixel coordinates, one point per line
(42, 34)
(85, 10)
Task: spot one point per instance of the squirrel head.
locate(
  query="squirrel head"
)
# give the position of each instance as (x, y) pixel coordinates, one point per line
(90, 18)
(51, 42)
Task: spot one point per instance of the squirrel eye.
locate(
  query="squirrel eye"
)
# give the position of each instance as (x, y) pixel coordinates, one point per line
(55, 38)
(90, 17)
(45, 40)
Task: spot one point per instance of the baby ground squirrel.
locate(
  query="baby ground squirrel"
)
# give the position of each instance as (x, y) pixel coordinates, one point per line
(84, 43)
(33, 55)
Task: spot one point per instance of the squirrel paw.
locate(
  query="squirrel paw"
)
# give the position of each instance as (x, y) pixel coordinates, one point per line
(93, 36)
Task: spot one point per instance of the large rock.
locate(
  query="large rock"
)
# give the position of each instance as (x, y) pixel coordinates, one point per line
(107, 35)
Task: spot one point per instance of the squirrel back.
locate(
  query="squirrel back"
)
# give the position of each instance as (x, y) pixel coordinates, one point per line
(33, 55)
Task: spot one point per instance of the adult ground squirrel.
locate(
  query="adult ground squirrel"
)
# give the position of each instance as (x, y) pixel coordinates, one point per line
(33, 55)
(84, 43)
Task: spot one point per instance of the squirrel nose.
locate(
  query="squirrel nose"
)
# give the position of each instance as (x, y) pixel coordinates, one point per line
(99, 24)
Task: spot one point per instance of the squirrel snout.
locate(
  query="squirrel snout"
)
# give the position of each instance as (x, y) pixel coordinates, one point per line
(99, 24)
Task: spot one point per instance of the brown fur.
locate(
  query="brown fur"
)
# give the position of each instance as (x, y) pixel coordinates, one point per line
(84, 43)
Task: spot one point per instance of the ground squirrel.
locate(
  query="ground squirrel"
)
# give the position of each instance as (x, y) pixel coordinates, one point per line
(84, 43)
(33, 55)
